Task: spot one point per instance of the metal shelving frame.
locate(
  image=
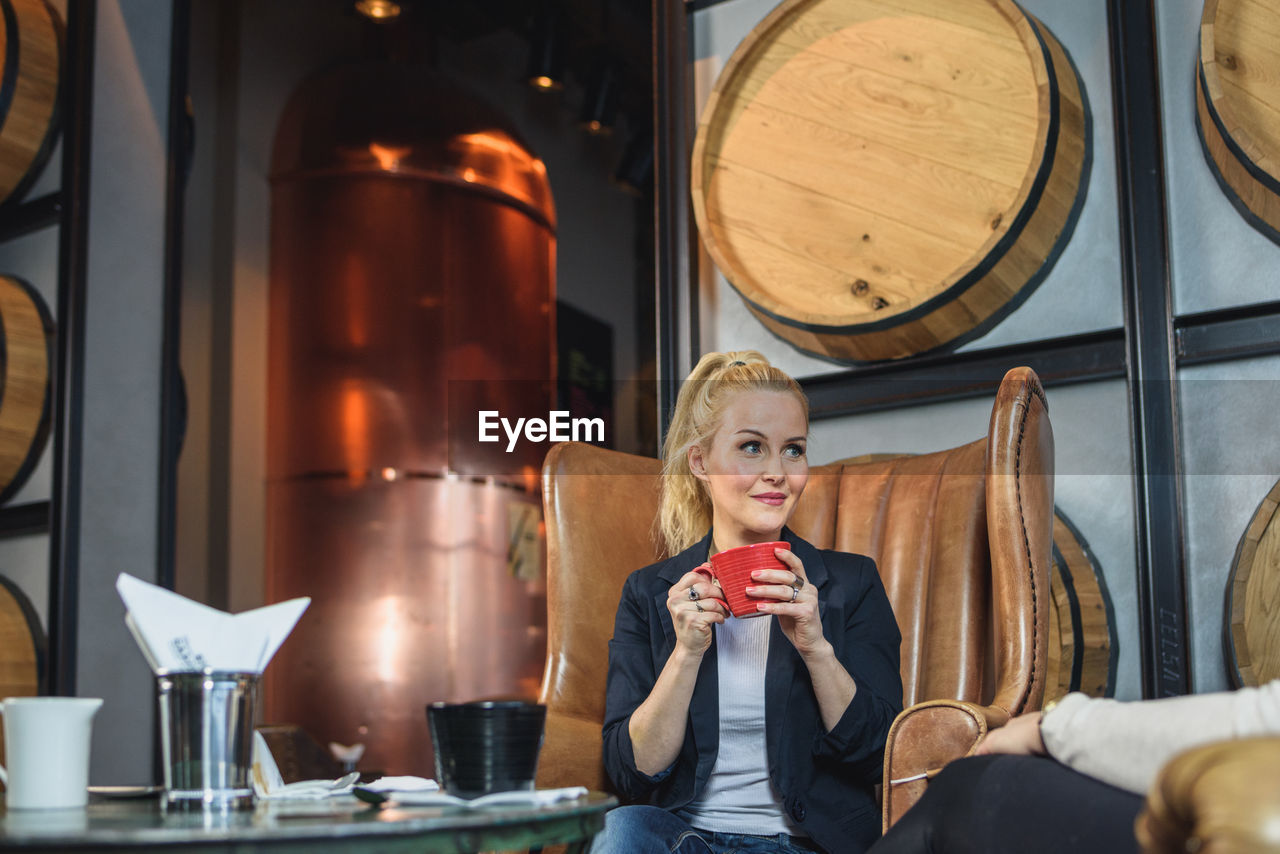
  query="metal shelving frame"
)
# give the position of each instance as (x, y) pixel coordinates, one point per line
(67, 211)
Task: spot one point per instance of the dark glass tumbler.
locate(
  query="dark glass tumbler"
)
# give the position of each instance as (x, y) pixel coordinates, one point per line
(486, 746)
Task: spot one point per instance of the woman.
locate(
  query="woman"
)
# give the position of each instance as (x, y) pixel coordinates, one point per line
(732, 734)
(1073, 777)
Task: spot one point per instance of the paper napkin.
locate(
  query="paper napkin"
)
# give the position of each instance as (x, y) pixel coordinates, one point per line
(269, 785)
(519, 798)
(177, 633)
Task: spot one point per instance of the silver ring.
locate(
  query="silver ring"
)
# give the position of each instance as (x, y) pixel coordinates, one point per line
(795, 591)
(693, 595)
(698, 605)
(798, 583)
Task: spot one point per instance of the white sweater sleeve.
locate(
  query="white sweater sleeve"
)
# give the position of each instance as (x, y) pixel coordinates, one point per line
(1125, 744)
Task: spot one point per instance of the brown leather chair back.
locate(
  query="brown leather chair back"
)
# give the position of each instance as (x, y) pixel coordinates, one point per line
(958, 535)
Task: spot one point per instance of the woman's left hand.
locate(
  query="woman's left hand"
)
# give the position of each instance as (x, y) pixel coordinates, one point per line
(788, 595)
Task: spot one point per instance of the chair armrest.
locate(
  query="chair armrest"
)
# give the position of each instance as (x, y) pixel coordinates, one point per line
(1220, 798)
(924, 738)
(572, 754)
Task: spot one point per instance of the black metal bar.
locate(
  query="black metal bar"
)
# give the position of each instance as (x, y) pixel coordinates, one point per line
(697, 5)
(68, 379)
(222, 274)
(19, 520)
(21, 220)
(172, 408)
(671, 206)
(1144, 248)
(954, 376)
(1233, 333)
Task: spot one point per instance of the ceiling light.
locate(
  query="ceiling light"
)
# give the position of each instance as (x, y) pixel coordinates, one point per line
(378, 10)
(546, 52)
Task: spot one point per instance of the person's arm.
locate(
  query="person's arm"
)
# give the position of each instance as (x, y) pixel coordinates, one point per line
(833, 687)
(856, 681)
(657, 726)
(646, 713)
(870, 649)
(1125, 744)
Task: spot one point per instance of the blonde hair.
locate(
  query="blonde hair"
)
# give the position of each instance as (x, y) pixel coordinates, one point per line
(684, 510)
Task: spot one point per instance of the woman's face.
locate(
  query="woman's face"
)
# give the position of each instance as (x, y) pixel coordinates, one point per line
(755, 467)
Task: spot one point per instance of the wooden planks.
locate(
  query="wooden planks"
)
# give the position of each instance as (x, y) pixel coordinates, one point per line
(879, 179)
(1253, 598)
(1238, 104)
(26, 338)
(29, 124)
(1082, 647)
(21, 647)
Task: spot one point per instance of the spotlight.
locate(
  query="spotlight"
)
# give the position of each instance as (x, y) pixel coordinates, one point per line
(546, 52)
(600, 107)
(378, 10)
(635, 170)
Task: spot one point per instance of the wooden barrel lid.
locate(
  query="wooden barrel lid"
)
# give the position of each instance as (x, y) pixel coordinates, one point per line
(26, 339)
(882, 179)
(1253, 619)
(1082, 639)
(22, 646)
(1238, 105)
(31, 36)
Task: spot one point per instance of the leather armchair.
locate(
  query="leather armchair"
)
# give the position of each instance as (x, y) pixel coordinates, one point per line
(1221, 798)
(962, 540)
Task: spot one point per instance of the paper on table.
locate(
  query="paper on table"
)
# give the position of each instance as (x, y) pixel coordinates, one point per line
(518, 798)
(401, 784)
(177, 633)
(268, 785)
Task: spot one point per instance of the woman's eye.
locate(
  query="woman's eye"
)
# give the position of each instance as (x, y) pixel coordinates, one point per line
(795, 452)
(752, 447)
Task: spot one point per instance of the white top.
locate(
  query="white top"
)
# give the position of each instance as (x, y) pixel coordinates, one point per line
(739, 796)
(1125, 744)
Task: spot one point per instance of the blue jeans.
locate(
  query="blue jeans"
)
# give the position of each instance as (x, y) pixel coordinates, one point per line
(653, 830)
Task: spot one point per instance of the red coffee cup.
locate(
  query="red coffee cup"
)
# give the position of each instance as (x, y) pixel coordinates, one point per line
(732, 569)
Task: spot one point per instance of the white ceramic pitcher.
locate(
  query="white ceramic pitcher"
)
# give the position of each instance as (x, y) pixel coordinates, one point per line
(46, 743)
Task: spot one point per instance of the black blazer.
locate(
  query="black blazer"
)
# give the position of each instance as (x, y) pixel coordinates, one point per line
(826, 779)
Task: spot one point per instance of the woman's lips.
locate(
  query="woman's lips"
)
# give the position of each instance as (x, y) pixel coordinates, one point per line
(773, 499)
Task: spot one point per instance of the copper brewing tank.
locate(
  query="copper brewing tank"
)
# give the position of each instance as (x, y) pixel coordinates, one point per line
(412, 275)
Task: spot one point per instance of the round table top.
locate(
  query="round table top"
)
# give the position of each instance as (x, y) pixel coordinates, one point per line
(335, 824)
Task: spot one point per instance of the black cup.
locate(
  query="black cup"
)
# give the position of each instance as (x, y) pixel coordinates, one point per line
(485, 746)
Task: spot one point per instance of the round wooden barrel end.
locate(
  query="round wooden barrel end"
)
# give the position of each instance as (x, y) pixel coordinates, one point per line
(29, 119)
(848, 181)
(1082, 640)
(1238, 106)
(26, 334)
(1253, 625)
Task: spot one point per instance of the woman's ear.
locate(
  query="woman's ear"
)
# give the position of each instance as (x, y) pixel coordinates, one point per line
(697, 464)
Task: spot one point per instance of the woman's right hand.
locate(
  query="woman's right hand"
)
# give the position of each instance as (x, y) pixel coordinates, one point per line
(696, 604)
(1020, 736)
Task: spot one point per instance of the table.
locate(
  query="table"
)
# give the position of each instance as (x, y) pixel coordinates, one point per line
(337, 824)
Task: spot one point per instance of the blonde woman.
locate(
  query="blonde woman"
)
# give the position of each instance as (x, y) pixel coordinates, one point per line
(746, 735)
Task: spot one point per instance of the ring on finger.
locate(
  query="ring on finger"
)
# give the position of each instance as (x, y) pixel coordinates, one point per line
(798, 583)
(698, 605)
(693, 595)
(795, 591)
